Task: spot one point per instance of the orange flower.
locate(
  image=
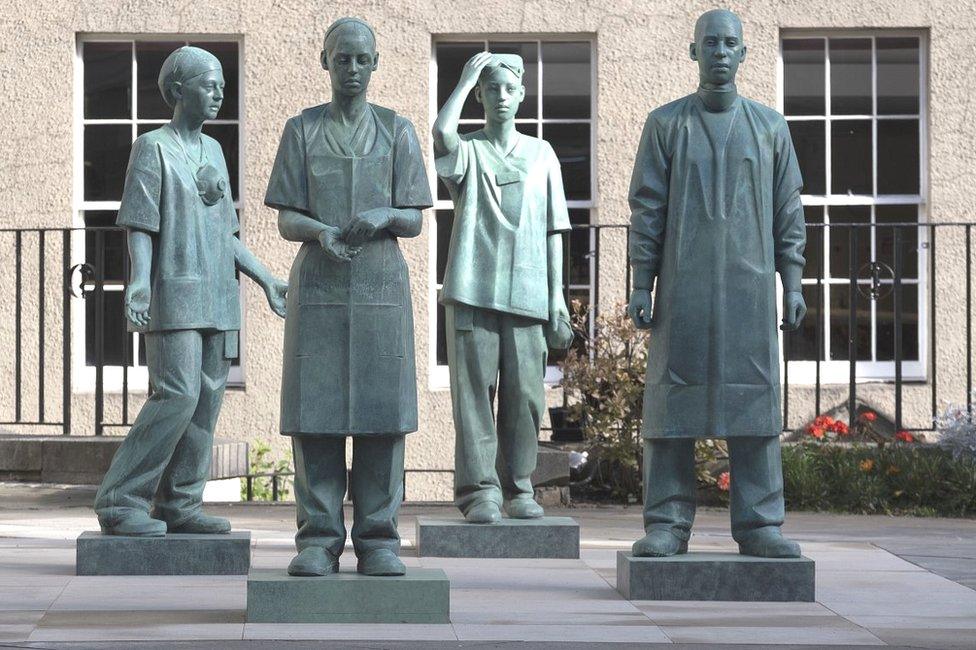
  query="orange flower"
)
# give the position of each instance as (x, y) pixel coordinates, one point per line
(840, 428)
(892, 470)
(866, 465)
(824, 421)
(869, 416)
(904, 436)
(816, 432)
(724, 481)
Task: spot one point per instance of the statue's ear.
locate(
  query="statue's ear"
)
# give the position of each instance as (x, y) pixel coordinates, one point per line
(742, 54)
(477, 93)
(176, 91)
(376, 61)
(324, 58)
(693, 51)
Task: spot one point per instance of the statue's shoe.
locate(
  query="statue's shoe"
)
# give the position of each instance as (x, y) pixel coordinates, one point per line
(767, 542)
(313, 561)
(381, 562)
(523, 508)
(202, 524)
(485, 512)
(660, 543)
(136, 525)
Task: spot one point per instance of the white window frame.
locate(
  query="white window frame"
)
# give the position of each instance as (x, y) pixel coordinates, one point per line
(83, 375)
(838, 371)
(438, 375)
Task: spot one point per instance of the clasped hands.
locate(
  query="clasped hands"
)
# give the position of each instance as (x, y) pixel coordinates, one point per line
(639, 309)
(343, 245)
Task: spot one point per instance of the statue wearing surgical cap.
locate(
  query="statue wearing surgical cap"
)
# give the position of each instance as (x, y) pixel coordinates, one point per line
(503, 288)
(715, 215)
(183, 295)
(348, 182)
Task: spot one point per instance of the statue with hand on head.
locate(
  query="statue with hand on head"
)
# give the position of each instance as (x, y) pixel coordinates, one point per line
(348, 182)
(183, 295)
(715, 215)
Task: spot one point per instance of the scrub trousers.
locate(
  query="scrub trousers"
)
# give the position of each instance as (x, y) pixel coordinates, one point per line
(375, 486)
(756, 488)
(494, 353)
(164, 462)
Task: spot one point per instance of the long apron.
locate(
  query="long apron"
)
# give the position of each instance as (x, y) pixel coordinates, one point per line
(348, 356)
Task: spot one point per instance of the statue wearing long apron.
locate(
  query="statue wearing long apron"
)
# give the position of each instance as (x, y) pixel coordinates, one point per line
(716, 213)
(503, 290)
(181, 224)
(348, 181)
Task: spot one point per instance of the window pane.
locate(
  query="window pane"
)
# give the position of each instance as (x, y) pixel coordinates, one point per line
(850, 76)
(226, 53)
(531, 128)
(885, 237)
(804, 76)
(451, 58)
(897, 76)
(114, 330)
(227, 135)
(801, 345)
(149, 61)
(898, 157)
(840, 309)
(445, 221)
(841, 237)
(106, 156)
(572, 145)
(108, 80)
(580, 248)
(114, 244)
(850, 164)
(566, 80)
(441, 343)
(530, 58)
(814, 249)
(809, 140)
(909, 324)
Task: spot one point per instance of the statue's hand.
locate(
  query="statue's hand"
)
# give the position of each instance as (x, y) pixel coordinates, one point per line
(794, 309)
(559, 330)
(276, 291)
(331, 240)
(365, 224)
(472, 70)
(639, 308)
(137, 296)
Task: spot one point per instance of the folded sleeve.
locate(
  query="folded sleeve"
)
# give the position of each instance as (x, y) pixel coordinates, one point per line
(411, 189)
(139, 208)
(453, 165)
(557, 215)
(288, 184)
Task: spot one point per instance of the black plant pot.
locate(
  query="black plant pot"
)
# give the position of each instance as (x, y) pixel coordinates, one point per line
(564, 427)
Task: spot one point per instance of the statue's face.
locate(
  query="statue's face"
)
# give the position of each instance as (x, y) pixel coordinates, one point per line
(718, 48)
(201, 96)
(351, 60)
(501, 92)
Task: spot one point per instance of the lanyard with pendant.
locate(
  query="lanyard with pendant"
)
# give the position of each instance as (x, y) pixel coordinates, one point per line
(210, 185)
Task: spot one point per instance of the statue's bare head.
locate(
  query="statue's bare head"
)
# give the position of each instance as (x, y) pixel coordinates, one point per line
(718, 47)
(349, 54)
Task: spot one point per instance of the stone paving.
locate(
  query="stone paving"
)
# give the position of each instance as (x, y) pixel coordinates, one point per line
(880, 581)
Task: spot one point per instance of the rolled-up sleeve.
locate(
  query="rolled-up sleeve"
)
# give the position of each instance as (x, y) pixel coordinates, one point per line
(288, 184)
(139, 208)
(411, 189)
(453, 165)
(557, 215)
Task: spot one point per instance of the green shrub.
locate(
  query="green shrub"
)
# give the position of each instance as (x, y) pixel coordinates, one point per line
(262, 462)
(868, 479)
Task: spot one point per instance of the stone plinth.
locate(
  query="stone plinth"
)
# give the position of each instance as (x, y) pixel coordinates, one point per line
(420, 596)
(715, 576)
(548, 537)
(184, 554)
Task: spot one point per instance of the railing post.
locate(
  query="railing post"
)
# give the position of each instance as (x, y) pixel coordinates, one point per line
(898, 324)
(66, 332)
(852, 324)
(41, 334)
(969, 320)
(18, 317)
(932, 329)
(820, 317)
(99, 330)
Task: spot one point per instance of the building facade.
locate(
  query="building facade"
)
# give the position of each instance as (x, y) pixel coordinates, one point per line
(877, 96)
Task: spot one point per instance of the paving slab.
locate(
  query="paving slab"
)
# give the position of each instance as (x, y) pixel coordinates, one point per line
(715, 576)
(546, 537)
(419, 596)
(349, 632)
(648, 633)
(172, 554)
(815, 635)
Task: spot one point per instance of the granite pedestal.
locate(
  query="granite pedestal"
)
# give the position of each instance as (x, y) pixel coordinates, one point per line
(420, 596)
(181, 554)
(715, 576)
(547, 537)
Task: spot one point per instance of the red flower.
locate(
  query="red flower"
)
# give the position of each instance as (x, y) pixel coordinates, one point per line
(824, 421)
(840, 428)
(869, 416)
(724, 481)
(904, 436)
(816, 432)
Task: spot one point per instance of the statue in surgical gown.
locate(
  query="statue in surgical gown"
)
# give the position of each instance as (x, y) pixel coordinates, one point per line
(716, 213)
